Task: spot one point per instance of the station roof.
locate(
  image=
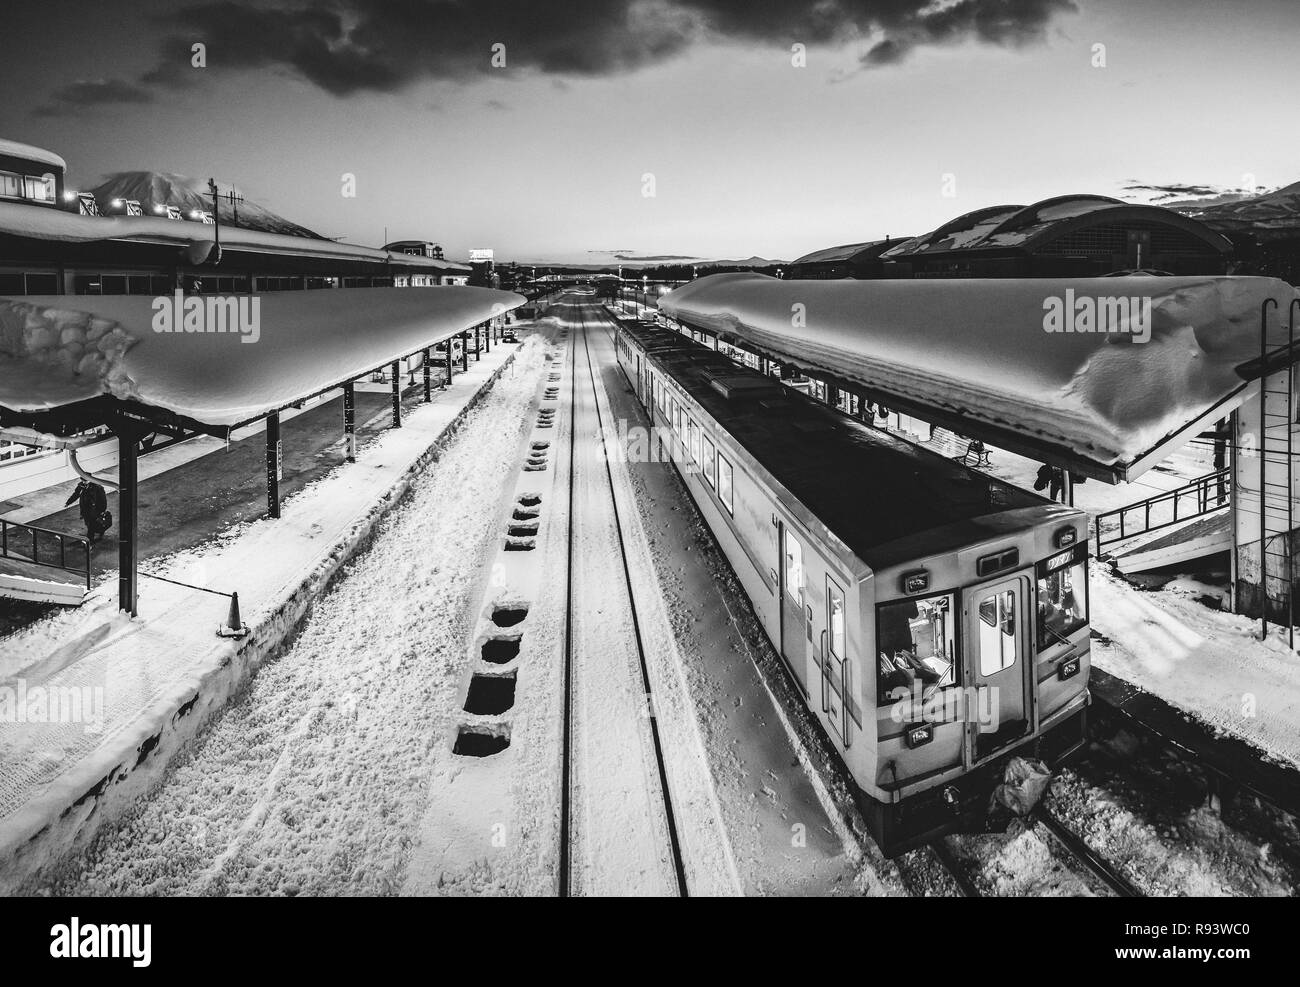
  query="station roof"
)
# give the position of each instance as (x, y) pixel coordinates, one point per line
(847, 251)
(35, 223)
(973, 355)
(1025, 227)
(14, 149)
(72, 362)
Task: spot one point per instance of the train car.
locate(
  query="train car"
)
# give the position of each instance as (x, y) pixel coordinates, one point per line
(934, 618)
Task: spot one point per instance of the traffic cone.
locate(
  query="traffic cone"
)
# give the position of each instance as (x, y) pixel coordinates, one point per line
(233, 627)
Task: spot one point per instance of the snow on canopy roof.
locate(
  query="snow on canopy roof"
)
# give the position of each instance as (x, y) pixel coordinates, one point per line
(17, 150)
(974, 354)
(54, 224)
(59, 350)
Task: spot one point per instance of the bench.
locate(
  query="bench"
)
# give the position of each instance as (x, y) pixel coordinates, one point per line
(975, 454)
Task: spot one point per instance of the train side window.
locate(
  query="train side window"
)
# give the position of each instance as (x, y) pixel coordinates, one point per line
(998, 632)
(693, 436)
(835, 617)
(916, 642)
(725, 492)
(708, 463)
(793, 567)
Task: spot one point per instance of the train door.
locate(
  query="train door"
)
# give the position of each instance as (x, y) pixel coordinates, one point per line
(794, 613)
(999, 664)
(834, 669)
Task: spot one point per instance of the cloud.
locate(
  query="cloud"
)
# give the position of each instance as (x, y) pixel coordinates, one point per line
(353, 46)
(84, 94)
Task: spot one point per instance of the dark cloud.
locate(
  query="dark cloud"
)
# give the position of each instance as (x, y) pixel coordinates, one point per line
(84, 94)
(352, 46)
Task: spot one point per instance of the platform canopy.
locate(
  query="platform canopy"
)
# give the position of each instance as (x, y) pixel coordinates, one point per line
(73, 362)
(1055, 369)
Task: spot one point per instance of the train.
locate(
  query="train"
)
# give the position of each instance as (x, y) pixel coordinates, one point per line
(933, 618)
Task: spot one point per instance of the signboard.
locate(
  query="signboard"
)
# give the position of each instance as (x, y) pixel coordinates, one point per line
(481, 256)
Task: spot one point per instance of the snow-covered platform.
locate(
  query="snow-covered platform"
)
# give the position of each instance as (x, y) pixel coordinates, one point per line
(148, 684)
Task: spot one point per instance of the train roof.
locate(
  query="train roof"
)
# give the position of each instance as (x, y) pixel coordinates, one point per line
(874, 491)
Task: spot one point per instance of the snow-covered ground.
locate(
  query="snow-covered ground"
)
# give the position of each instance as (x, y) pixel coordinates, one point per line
(315, 780)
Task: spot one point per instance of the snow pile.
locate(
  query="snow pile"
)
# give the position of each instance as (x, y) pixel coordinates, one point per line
(58, 350)
(983, 349)
(57, 355)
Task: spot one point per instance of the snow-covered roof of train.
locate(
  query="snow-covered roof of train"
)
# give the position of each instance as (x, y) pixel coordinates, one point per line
(17, 149)
(977, 353)
(54, 224)
(57, 351)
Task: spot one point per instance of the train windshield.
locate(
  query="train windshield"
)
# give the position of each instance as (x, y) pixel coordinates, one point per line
(917, 648)
(1062, 598)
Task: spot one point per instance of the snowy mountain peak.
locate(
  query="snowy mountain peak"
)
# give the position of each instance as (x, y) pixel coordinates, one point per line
(162, 188)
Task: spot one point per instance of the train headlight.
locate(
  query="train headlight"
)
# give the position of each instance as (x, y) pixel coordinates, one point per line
(917, 581)
(1066, 537)
(1068, 669)
(919, 735)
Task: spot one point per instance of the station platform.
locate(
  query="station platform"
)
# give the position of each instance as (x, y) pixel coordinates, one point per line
(1235, 763)
(146, 685)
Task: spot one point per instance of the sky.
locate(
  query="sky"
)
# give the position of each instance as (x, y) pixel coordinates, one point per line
(658, 127)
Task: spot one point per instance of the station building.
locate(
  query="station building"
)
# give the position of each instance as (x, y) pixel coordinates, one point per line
(850, 260)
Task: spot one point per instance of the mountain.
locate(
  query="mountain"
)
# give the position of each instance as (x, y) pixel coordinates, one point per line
(161, 188)
(1270, 215)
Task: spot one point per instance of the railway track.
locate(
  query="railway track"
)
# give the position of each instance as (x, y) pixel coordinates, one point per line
(578, 339)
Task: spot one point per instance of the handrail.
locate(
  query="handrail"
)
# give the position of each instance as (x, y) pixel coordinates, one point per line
(10, 552)
(1200, 488)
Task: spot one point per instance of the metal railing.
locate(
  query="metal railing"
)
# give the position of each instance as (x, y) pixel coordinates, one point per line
(44, 547)
(1204, 495)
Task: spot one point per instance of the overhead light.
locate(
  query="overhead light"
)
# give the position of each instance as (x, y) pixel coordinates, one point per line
(117, 202)
(69, 195)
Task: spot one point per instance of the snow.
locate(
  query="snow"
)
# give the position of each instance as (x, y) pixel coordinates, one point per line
(55, 224)
(978, 348)
(18, 150)
(156, 668)
(57, 350)
(1207, 662)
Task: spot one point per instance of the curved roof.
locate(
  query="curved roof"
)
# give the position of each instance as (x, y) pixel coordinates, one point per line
(847, 251)
(980, 356)
(1044, 221)
(53, 224)
(58, 351)
(18, 150)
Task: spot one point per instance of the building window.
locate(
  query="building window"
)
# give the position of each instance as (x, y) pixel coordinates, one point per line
(43, 284)
(40, 189)
(11, 185)
(725, 493)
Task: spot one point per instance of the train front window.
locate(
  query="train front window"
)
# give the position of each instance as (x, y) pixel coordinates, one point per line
(917, 647)
(1062, 601)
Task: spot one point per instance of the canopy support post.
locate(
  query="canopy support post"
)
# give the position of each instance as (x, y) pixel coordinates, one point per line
(428, 378)
(464, 352)
(397, 394)
(128, 514)
(350, 420)
(274, 459)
